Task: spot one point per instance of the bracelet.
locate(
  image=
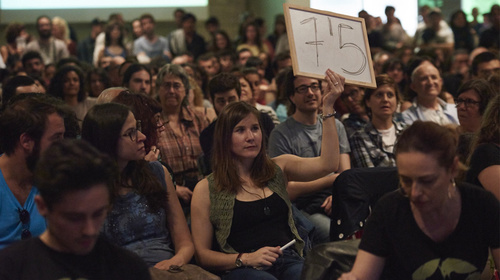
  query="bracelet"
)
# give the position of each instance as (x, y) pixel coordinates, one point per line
(324, 117)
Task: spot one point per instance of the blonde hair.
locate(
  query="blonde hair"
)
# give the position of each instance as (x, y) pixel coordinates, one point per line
(63, 24)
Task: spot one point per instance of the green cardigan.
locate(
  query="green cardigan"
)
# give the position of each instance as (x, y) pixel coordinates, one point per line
(221, 211)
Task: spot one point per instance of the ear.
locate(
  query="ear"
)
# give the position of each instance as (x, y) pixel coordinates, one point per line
(26, 142)
(455, 167)
(41, 206)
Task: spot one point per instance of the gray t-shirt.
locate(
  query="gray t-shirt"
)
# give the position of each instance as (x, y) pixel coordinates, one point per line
(292, 137)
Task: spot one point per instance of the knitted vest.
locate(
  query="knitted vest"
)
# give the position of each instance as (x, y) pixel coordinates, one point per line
(221, 211)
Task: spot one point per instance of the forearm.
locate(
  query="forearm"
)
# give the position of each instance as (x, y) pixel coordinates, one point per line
(296, 189)
(214, 260)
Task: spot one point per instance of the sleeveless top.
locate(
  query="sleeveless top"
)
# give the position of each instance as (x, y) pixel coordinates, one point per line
(221, 211)
(107, 53)
(131, 224)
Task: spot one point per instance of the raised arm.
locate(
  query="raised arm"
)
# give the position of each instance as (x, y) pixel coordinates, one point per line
(306, 169)
(178, 228)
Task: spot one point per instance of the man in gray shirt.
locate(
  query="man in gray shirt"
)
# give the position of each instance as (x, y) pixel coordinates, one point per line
(300, 135)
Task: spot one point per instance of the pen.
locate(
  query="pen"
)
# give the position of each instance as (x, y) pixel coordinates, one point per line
(288, 244)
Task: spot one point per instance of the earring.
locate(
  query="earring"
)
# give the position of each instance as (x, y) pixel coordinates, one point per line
(454, 186)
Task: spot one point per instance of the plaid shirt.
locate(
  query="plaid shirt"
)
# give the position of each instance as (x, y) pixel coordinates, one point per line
(367, 148)
(181, 152)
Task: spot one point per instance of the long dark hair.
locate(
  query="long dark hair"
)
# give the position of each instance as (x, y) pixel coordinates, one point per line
(224, 168)
(102, 127)
(57, 82)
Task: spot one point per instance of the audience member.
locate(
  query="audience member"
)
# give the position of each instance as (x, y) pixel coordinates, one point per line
(85, 48)
(186, 40)
(68, 84)
(437, 33)
(300, 135)
(243, 55)
(464, 36)
(146, 217)
(75, 190)
(431, 225)
(97, 80)
(485, 64)
(489, 37)
(17, 85)
(32, 125)
(33, 64)
(114, 41)
(50, 48)
(138, 79)
(257, 97)
(14, 47)
(150, 45)
(357, 118)
(373, 145)
(222, 42)
(179, 144)
(61, 31)
(244, 206)
(224, 89)
(485, 160)
(426, 81)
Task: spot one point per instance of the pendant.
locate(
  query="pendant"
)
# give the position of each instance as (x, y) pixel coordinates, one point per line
(267, 210)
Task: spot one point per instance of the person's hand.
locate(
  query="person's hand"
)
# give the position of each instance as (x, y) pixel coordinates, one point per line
(165, 264)
(153, 154)
(335, 87)
(184, 193)
(347, 276)
(263, 257)
(327, 205)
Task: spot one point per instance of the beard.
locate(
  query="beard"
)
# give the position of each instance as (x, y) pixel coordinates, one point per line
(45, 34)
(32, 158)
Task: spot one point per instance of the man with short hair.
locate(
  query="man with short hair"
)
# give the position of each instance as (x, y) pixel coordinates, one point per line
(29, 126)
(51, 49)
(86, 47)
(33, 64)
(243, 55)
(150, 45)
(426, 81)
(75, 182)
(300, 135)
(485, 64)
(17, 85)
(224, 88)
(138, 78)
(186, 40)
(206, 62)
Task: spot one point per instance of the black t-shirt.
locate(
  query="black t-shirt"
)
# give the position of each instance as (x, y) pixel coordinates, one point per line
(392, 232)
(32, 259)
(484, 156)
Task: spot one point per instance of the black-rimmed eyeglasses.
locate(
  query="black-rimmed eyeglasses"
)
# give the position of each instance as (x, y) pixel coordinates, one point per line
(132, 133)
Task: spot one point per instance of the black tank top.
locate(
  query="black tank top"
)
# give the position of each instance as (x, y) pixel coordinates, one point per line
(254, 226)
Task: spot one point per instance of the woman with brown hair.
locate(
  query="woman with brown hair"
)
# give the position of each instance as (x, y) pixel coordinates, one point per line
(432, 228)
(373, 145)
(244, 204)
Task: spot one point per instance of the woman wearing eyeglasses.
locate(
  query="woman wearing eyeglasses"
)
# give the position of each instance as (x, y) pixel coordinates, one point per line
(146, 217)
(484, 162)
(433, 228)
(179, 144)
(373, 145)
(473, 97)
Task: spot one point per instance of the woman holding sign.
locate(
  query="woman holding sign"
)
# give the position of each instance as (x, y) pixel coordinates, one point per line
(244, 203)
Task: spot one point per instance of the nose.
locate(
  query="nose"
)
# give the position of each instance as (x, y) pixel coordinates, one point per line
(250, 135)
(90, 228)
(416, 190)
(141, 136)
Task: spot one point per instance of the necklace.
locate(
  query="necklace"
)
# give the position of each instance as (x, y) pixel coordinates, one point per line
(267, 209)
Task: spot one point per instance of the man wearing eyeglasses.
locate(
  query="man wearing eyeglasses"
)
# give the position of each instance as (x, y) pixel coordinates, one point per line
(300, 135)
(74, 181)
(352, 98)
(28, 127)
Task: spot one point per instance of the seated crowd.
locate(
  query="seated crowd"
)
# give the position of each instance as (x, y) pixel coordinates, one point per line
(213, 153)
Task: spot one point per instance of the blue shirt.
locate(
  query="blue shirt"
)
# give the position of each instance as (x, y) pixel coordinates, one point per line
(11, 226)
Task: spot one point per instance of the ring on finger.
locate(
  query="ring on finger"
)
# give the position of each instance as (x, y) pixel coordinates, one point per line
(336, 84)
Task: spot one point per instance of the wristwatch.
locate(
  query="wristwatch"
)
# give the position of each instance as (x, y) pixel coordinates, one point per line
(239, 262)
